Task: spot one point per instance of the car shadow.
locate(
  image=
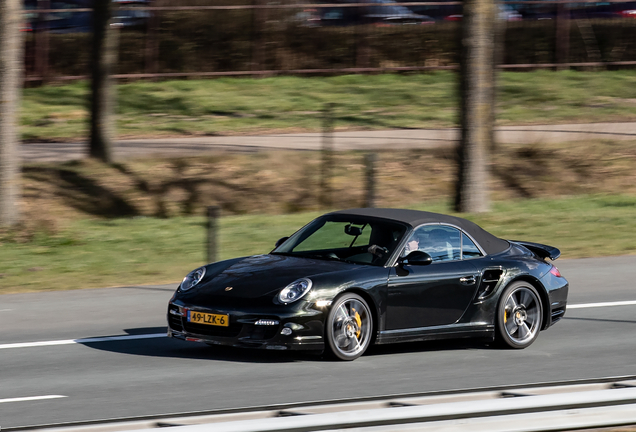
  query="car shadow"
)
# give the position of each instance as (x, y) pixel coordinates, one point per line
(601, 320)
(430, 346)
(157, 346)
(176, 348)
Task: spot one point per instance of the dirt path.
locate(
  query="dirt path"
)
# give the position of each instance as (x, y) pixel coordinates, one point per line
(357, 140)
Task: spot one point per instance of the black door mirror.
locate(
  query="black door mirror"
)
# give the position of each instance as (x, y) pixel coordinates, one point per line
(280, 241)
(417, 258)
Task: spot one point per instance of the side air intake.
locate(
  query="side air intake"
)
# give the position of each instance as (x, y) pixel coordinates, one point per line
(489, 281)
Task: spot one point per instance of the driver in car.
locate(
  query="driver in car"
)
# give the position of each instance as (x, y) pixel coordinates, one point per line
(434, 244)
(412, 244)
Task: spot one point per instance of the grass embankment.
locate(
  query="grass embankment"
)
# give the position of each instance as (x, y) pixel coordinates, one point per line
(97, 253)
(91, 225)
(247, 106)
(138, 222)
(278, 182)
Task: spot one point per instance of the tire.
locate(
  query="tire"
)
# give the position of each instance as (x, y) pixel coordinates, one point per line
(519, 315)
(349, 327)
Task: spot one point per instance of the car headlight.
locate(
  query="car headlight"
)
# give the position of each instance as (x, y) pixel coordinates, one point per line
(295, 290)
(192, 279)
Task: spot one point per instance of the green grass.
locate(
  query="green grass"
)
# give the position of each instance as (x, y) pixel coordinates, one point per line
(98, 253)
(145, 250)
(246, 105)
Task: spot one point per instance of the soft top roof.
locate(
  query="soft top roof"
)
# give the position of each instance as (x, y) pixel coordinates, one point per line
(490, 243)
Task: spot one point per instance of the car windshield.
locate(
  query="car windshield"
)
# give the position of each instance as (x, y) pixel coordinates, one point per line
(352, 239)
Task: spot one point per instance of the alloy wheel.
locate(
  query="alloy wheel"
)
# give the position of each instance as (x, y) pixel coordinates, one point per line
(519, 317)
(349, 327)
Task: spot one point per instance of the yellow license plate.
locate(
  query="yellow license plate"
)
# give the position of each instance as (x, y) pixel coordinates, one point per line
(208, 318)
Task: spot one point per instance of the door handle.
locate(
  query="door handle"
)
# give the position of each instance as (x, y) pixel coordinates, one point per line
(467, 280)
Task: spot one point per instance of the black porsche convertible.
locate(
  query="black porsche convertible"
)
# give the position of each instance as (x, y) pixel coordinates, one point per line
(353, 278)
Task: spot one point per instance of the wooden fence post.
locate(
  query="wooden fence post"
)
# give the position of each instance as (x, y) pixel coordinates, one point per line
(152, 43)
(327, 156)
(42, 42)
(258, 31)
(562, 35)
(213, 214)
(370, 160)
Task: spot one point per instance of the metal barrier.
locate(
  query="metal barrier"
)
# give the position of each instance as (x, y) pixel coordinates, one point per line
(539, 407)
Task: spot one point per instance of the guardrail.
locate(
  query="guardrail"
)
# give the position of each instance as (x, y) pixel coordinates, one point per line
(436, 416)
(540, 407)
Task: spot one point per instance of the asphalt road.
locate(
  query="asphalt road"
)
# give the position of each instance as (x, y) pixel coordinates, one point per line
(156, 375)
(356, 140)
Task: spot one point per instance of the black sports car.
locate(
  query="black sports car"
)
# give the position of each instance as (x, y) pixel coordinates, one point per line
(352, 278)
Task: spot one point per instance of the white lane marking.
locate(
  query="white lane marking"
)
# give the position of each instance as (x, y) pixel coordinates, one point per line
(32, 398)
(158, 335)
(596, 305)
(81, 341)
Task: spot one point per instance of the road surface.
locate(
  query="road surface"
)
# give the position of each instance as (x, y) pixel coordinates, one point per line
(46, 377)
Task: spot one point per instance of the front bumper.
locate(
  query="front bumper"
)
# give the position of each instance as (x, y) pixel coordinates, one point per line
(295, 330)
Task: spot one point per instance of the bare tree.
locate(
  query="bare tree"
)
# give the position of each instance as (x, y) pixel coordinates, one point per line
(10, 85)
(477, 99)
(103, 56)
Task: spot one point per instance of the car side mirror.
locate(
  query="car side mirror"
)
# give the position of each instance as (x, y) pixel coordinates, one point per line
(416, 258)
(280, 241)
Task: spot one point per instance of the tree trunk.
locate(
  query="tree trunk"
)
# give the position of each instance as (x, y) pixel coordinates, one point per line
(477, 99)
(499, 29)
(103, 57)
(10, 89)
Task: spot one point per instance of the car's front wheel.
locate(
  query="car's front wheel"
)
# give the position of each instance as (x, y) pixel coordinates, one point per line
(519, 315)
(349, 327)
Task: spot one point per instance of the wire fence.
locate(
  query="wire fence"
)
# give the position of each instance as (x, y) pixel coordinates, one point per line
(263, 39)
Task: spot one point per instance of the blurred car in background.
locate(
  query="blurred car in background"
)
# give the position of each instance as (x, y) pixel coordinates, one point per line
(382, 12)
(592, 10)
(353, 278)
(68, 21)
(506, 13)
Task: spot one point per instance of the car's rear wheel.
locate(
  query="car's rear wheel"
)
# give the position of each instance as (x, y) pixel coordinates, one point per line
(349, 327)
(519, 315)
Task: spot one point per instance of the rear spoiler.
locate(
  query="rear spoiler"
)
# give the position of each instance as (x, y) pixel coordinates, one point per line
(543, 251)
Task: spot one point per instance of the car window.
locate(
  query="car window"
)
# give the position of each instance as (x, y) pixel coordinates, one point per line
(441, 242)
(469, 249)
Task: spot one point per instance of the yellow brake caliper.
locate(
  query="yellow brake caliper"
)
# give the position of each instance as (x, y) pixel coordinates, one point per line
(506, 315)
(359, 321)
